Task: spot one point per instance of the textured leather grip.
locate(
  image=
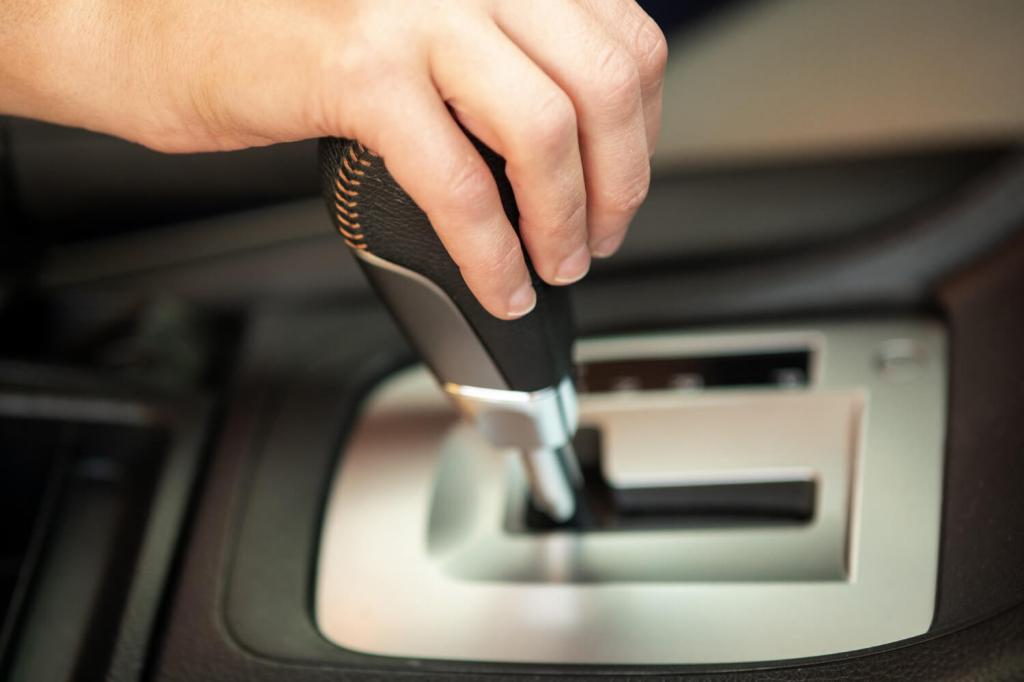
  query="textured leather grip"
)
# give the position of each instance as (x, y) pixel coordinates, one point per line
(375, 215)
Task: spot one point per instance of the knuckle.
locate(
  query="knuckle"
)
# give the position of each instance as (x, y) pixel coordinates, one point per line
(575, 221)
(492, 264)
(572, 221)
(628, 196)
(552, 124)
(560, 229)
(506, 258)
(469, 184)
(618, 79)
(652, 52)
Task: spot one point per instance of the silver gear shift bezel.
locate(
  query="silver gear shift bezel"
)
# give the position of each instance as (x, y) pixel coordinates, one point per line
(402, 509)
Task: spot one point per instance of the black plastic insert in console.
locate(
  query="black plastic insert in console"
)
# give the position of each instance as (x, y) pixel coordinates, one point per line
(789, 368)
(94, 482)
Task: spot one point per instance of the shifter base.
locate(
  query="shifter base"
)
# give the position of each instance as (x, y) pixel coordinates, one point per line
(428, 549)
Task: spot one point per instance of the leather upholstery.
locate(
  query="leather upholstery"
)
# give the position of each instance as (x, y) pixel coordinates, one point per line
(372, 212)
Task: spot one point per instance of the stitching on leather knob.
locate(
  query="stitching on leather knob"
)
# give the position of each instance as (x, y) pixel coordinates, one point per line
(340, 210)
(345, 185)
(338, 187)
(364, 150)
(354, 171)
(343, 201)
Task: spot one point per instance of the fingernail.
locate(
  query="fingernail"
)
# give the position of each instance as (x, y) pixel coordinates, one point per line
(607, 246)
(574, 267)
(522, 301)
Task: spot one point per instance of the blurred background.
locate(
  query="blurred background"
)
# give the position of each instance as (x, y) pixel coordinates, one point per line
(764, 101)
(794, 83)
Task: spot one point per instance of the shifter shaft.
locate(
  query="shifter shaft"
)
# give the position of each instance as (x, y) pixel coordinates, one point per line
(541, 425)
(554, 485)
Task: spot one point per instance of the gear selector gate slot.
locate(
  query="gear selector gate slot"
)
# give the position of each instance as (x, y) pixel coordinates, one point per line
(784, 499)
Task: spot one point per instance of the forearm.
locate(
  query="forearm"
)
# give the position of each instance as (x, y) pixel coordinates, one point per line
(76, 63)
(37, 78)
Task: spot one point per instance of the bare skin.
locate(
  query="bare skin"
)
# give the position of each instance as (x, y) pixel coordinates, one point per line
(568, 91)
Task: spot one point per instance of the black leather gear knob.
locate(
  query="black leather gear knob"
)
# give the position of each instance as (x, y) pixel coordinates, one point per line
(405, 261)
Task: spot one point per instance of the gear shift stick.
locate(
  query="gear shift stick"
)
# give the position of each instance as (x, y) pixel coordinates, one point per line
(511, 378)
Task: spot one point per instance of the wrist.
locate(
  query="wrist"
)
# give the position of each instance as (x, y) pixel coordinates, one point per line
(75, 63)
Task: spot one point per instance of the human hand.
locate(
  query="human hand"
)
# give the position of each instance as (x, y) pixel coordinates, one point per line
(567, 91)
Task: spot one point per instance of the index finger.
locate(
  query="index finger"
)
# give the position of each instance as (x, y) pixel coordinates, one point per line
(445, 175)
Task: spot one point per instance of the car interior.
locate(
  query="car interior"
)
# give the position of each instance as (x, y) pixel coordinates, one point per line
(799, 390)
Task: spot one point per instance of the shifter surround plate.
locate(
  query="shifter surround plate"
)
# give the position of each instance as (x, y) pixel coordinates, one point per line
(392, 521)
(673, 437)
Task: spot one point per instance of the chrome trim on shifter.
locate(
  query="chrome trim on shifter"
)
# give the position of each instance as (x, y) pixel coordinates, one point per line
(517, 419)
(541, 425)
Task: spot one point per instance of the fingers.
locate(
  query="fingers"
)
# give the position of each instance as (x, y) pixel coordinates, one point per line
(513, 107)
(626, 21)
(568, 92)
(443, 173)
(604, 83)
